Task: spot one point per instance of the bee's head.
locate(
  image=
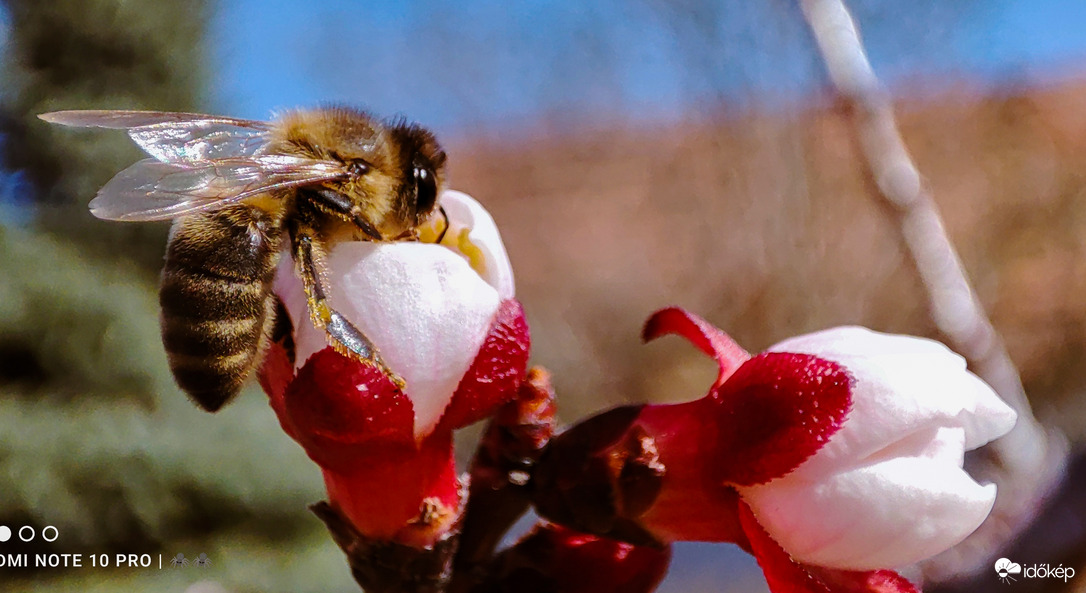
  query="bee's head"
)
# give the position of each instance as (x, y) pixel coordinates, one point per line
(395, 171)
(422, 163)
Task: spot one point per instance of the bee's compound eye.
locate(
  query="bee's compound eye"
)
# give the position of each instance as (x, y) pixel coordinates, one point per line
(425, 190)
(358, 169)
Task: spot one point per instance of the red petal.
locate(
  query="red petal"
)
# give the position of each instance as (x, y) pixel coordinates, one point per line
(872, 581)
(276, 373)
(336, 403)
(496, 372)
(700, 333)
(783, 574)
(691, 505)
(554, 558)
(400, 492)
(771, 415)
(775, 411)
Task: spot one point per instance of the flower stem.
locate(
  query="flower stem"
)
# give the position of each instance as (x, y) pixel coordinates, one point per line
(498, 492)
(1029, 462)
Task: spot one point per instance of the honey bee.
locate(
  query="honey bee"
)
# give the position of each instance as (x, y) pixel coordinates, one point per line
(238, 191)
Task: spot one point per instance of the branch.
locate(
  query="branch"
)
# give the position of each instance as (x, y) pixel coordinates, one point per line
(499, 492)
(1028, 463)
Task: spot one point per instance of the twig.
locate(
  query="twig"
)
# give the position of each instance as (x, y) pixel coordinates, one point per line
(498, 494)
(1028, 463)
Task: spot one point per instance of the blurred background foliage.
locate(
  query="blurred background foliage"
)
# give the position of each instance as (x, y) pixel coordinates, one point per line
(80, 54)
(95, 439)
(636, 155)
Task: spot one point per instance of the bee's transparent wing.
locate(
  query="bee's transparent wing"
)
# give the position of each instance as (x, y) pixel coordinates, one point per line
(153, 190)
(123, 120)
(180, 138)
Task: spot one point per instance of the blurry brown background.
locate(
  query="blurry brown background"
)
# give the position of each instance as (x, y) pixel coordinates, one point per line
(767, 225)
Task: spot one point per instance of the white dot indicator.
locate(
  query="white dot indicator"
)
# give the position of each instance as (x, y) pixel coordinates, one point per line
(5, 533)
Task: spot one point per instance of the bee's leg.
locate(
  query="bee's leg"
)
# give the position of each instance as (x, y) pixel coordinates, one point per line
(310, 256)
(336, 202)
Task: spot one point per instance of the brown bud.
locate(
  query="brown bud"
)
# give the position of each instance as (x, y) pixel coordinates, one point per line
(382, 566)
(600, 476)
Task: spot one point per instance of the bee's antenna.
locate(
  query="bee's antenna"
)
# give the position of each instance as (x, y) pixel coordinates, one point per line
(446, 229)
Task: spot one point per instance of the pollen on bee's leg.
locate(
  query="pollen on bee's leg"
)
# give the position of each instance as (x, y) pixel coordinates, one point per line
(319, 312)
(375, 362)
(396, 380)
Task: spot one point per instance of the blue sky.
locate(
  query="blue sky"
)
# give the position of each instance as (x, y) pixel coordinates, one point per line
(487, 65)
(474, 65)
(459, 66)
(1024, 34)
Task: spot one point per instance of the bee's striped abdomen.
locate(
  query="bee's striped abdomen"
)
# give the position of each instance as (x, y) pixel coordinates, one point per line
(217, 301)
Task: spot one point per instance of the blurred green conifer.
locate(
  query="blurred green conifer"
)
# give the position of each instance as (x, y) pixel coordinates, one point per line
(94, 54)
(95, 438)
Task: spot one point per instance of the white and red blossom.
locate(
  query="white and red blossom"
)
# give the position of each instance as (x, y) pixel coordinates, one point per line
(832, 458)
(888, 489)
(444, 318)
(424, 305)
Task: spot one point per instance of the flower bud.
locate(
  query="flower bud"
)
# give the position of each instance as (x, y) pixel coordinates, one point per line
(439, 314)
(443, 318)
(888, 489)
(554, 558)
(842, 449)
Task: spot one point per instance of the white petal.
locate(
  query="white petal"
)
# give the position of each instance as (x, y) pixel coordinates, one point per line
(884, 515)
(903, 386)
(888, 489)
(467, 215)
(422, 305)
(859, 340)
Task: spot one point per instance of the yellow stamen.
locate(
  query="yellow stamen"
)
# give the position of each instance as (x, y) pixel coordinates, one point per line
(475, 256)
(458, 240)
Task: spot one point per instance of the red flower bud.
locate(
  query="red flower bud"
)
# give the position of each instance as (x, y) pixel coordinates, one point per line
(842, 424)
(554, 558)
(442, 317)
